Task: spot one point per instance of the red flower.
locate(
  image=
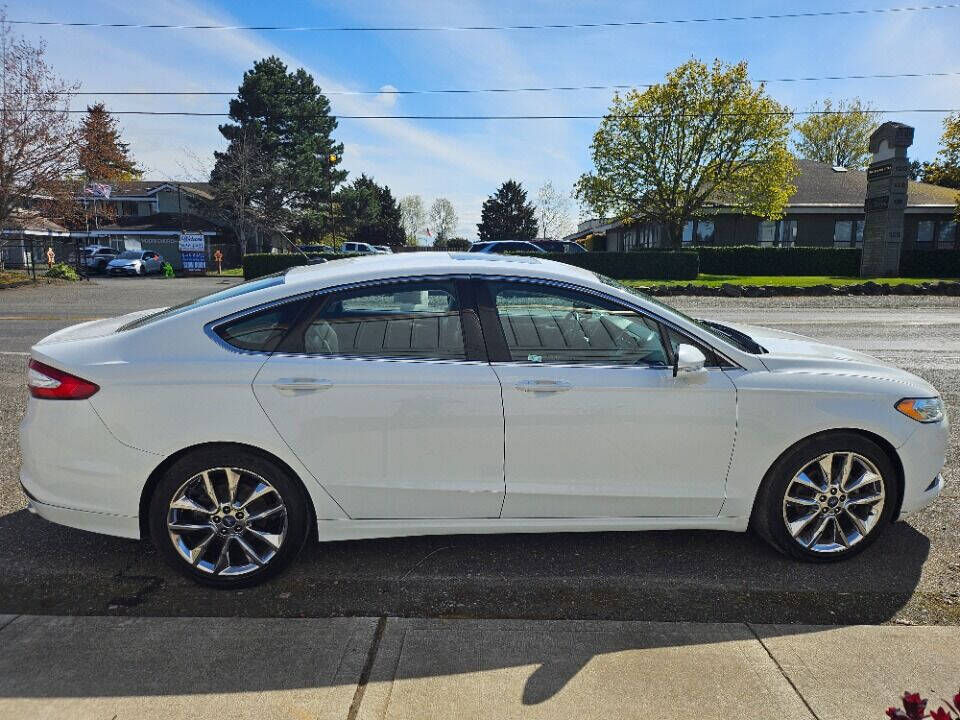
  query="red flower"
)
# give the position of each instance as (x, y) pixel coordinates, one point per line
(914, 705)
(896, 714)
(956, 702)
(940, 714)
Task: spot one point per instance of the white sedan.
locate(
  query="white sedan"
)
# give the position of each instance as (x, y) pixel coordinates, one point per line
(429, 393)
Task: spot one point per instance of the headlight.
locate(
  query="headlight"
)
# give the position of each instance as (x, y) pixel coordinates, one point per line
(925, 410)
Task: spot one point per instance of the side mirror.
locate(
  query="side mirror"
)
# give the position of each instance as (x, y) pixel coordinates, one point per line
(688, 359)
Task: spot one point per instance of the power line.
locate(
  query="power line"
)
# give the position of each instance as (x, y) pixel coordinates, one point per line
(459, 91)
(465, 28)
(792, 113)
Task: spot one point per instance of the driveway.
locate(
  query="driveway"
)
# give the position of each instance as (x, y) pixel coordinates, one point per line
(910, 575)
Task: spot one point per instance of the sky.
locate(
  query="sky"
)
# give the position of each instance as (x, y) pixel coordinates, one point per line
(466, 161)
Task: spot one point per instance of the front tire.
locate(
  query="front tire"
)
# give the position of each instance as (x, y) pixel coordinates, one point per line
(827, 498)
(228, 518)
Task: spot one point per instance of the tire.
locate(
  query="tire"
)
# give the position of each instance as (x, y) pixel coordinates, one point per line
(818, 522)
(274, 539)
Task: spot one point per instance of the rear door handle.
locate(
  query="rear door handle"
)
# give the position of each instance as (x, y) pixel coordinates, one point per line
(297, 386)
(543, 386)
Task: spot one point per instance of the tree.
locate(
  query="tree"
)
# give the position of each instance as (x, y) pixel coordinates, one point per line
(945, 168)
(103, 157)
(413, 217)
(236, 179)
(288, 118)
(837, 135)
(38, 140)
(506, 215)
(704, 135)
(443, 219)
(553, 211)
(371, 213)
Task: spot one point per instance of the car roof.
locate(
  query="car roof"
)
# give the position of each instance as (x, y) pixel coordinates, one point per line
(374, 267)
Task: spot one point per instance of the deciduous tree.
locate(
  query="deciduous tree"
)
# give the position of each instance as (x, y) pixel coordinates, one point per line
(553, 211)
(413, 217)
(506, 215)
(837, 134)
(238, 175)
(945, 168)
(443, 219)
(703, 135)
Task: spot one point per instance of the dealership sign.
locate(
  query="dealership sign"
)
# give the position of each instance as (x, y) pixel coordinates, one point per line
(193, 252)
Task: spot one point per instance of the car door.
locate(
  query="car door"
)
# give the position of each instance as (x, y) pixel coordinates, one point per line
(385, 394)
(596, 424)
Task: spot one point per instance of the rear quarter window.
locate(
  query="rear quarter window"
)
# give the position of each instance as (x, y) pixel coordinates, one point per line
(263, 330)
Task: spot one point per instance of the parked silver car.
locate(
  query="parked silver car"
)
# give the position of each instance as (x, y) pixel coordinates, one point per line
(96, 257)
(135, 262)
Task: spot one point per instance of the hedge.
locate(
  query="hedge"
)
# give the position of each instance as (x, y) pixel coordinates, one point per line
(648, 265)
(930, 264)
(754, 260)
(258, 264)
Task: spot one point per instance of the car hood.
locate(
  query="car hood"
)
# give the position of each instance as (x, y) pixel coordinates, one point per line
(790, 352)
(118, 262)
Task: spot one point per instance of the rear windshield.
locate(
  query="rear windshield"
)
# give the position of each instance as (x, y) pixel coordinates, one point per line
(242, 289)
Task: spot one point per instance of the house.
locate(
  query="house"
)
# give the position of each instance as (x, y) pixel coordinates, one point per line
(826, 210)
(26, 233)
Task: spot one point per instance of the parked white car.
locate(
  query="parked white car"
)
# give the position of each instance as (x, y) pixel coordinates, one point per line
(135, 262)
(432, 393)
(361, 248)
(96, 257)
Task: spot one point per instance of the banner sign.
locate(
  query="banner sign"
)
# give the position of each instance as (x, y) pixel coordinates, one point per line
(193, 253)
(97, 190)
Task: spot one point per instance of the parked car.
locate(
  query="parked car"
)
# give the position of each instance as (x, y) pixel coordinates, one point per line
(508, 394)
(385, 249)
(561, 246)
(504, 246)
(96, 257)
(135, 262)
(361, 248)
(316, 249)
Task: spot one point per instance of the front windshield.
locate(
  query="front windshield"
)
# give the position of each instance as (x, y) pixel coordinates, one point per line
(242, 289)
(130, 255)
(738, 339)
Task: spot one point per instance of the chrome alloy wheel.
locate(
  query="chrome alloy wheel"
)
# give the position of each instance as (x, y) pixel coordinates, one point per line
(834, 502)
(227, 521)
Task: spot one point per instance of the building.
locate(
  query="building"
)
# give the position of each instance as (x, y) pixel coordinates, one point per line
(826, 211)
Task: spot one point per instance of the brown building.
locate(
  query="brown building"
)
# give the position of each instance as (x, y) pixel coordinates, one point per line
(826, 210)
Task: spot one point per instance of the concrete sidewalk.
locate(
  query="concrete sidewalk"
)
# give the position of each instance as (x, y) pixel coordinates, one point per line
(365, 668)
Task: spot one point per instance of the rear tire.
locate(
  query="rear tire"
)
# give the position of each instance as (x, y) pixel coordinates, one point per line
(827, 498)
(228, 518)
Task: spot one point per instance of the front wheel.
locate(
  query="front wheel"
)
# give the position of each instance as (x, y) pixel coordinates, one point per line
(827, 498)
(228, 518)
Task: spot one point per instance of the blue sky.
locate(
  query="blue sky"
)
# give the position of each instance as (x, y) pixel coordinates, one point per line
(466, 160)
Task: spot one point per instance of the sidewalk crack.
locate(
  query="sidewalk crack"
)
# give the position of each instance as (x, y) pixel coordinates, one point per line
(8, 622)
(786, 677)
(367, 669)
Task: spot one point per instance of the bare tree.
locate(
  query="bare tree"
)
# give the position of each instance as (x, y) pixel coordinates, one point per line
(413, 217)
(234, 181)
(443, 219)
(553, 211)
(38, 140)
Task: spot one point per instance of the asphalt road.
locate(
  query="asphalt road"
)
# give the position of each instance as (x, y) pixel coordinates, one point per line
(912, 574)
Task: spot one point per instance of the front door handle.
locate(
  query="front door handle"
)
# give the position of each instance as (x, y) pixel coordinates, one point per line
(543, 386)
(297, 386)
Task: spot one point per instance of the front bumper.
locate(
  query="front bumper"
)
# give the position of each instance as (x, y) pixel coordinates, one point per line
(923, 456)
(125, 270)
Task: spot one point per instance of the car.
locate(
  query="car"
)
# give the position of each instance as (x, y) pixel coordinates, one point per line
(561, 246)
(386, 249)
(316, 249)
(360, 248)
(96, 257)
(135, 262)
(505, 246)
(436, 393)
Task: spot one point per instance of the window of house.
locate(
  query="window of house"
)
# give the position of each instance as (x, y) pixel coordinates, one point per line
(704, 231)
(777, 233)
(925, 230)
(687, 236)
(946, 235)
(558, 326)
(629, 239)
(858, 233)
(848, 234)
(419, 319)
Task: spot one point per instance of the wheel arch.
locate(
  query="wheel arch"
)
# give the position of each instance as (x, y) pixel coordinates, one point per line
(889, 450)
(153, 480)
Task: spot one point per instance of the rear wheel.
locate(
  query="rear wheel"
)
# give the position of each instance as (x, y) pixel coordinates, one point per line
(827, 498)
(228, 518)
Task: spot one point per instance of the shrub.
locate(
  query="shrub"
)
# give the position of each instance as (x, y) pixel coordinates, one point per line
(259, 264)
(62, 271)
(915, 708)
(646, 265)
(930, 263)
(754, 260)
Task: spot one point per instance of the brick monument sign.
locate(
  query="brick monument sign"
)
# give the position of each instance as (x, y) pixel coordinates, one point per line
(886, 200)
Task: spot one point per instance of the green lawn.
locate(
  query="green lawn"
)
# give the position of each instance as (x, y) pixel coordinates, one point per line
(232, 272)
(792, 280)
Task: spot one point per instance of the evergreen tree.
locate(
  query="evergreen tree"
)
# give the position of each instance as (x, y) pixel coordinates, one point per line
(371, 213)
(507, 215)
(288, 119)
(102, 156)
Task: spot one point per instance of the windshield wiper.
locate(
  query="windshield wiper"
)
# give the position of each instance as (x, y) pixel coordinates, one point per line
(741, 339)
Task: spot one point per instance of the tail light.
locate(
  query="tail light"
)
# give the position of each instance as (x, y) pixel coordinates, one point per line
(51, 384)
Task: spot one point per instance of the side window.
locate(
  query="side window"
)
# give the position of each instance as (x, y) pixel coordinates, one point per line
(419, 319)
(262, 331)
(553, 325)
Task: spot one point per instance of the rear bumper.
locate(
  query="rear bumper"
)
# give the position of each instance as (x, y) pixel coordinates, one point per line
(118, 525)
